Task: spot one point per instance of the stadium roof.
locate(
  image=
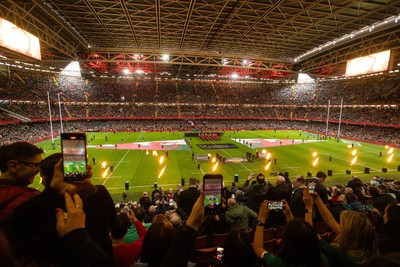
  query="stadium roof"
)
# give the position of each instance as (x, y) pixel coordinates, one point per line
(255, 38)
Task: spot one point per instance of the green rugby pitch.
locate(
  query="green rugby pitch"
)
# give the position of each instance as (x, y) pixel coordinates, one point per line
(135, 158)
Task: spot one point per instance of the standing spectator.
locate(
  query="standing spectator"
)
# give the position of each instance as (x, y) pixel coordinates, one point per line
(145, 201)
(320, 187)
(189, 196)
(256, 192)
(278, 192)
(19, 164)
(233, 188)
(240, 217)
(98, 205)
(296, 204)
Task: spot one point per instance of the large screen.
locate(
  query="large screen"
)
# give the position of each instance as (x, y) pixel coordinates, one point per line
(369, 64)
(16, 39)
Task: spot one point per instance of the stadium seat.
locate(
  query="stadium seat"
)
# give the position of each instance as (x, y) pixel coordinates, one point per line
(269, 234)
(202, 242)
(218, 240)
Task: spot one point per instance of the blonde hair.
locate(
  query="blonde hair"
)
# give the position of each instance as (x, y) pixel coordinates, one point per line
(358, 237)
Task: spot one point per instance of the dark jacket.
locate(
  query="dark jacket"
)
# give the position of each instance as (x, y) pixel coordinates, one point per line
(297, 205)
(256, 194)
(187, 199)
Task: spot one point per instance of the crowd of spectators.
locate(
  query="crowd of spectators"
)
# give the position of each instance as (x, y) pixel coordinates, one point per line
(37, 131)
(34, 86)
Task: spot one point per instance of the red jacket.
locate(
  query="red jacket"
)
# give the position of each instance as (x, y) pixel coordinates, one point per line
(11, 196)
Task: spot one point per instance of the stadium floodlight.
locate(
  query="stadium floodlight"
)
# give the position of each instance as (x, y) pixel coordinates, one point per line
(165, 57)
(126, 71)
(139, 71)
(234, 76)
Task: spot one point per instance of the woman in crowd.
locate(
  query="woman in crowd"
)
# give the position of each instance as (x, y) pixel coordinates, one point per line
(356, 242)
(299, 246)
(389, 238)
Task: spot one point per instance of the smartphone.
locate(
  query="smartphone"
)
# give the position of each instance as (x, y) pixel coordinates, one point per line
(311, 187)
(212, 187)
(74, 156)
(275, 205)
(171, 202)
(369, 204)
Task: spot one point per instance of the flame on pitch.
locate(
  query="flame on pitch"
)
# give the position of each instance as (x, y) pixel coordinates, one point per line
(268, 155)
(390, 151)
(103, 164)
(215, 166)
(105, 172)
(147, 152)
(213, 159)
(268, 165)
(155, 154)
(315, 162)
(390, 158)
(263, 151)
(349, 146)
(161, 160)
(387, 147)
(314, 155)
(162, 172)
(354, 152)
(354, 160)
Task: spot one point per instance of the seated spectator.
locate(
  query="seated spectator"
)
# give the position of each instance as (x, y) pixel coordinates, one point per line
(390, 235)
(238, 251)
(132, 234)
(382, 200)
(126, 254)
(150, 214)
(156, 242)
(353, 201)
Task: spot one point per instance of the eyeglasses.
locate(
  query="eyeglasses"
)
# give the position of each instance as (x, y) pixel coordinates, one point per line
(30, 164)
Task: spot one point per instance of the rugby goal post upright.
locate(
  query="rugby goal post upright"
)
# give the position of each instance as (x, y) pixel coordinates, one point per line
(327, 117)
(340, 118)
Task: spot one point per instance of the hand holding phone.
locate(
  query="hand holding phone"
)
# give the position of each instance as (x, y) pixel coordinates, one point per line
(74, 154)
(212, 187)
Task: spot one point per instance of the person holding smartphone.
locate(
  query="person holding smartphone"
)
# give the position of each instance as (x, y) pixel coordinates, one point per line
(299, 246)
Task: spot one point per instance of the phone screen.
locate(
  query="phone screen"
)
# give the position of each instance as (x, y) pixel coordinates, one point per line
(311, 187)
(171, 202)
(74, 156)
(212, 187)
(275, 205)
